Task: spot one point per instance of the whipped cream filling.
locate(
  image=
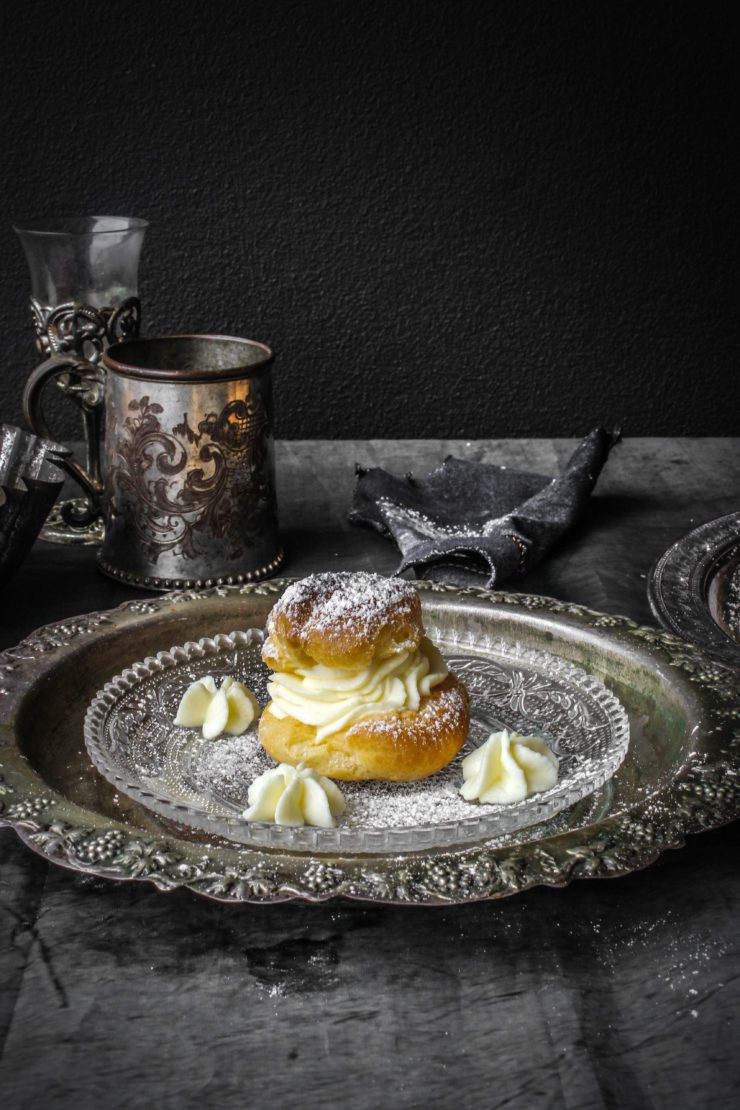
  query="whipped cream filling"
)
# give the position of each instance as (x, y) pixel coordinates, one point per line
(333, 698)
(508, 768)
(230, 708)
(294, 796)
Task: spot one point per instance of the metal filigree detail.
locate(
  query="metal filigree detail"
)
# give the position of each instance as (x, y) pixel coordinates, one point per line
(124, 321)
(51, 638)
(28, 809)
(56, 527)
(706, 794)
(76, 328)
(69, 328)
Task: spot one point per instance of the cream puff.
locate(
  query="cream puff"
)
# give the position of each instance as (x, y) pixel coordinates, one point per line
(358, 691)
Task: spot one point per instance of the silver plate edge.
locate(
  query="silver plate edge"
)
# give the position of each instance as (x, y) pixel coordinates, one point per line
(676, 586)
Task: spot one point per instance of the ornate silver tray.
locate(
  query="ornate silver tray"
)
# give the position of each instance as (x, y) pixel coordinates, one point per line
(681, 773)
(131, 739)
(694, 588)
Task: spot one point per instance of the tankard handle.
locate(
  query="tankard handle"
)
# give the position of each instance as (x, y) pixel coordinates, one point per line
(83, 381)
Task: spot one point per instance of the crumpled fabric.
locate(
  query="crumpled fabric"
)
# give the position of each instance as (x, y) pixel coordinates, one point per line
(467, 519)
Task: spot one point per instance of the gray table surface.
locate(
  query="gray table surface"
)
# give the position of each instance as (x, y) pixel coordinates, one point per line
(620, 993)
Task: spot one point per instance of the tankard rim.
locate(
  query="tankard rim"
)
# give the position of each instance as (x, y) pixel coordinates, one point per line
(123, 358)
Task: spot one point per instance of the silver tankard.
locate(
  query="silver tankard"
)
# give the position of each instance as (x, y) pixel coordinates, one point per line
(188, 489)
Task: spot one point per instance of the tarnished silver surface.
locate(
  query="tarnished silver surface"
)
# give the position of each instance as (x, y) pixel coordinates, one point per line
(681, 775)
(31, 477)
(73, 329)
(694, 588)
(57, 530)
(189, 463)
(150, 582)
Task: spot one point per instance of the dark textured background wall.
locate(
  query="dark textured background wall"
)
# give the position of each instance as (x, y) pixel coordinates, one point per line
(448, 218)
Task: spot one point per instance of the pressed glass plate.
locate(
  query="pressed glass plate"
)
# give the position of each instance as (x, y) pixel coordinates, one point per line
(132, 741)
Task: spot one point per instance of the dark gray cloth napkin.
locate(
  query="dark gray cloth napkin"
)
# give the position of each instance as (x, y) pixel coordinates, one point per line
(466, 518)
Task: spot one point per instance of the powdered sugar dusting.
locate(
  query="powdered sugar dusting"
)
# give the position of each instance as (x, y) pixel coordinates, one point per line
(356, 600)
(226, 768)
(436, 718)
(732, 604)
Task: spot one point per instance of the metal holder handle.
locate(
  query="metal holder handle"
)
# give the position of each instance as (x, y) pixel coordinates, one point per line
(83, 381)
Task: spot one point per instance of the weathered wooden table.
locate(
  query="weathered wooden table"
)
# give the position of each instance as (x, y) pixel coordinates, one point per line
(618, 993)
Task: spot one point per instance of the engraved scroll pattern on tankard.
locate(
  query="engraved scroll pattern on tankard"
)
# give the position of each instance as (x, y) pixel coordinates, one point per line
(172, 484)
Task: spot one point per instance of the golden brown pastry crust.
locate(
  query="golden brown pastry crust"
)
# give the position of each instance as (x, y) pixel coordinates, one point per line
(342, 620)
(400, 746)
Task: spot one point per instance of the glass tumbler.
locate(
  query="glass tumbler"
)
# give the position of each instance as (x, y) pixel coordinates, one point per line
(84, 296)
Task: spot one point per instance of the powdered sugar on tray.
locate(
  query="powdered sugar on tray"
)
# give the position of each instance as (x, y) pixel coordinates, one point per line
(732, 604)
(225, 769)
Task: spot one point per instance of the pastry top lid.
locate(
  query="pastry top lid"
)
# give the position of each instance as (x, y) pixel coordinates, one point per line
(343, 619)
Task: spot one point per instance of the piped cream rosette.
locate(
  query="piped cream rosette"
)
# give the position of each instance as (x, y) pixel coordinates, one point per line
(508, 768)
(228, 708)
(331, 699)
(294, 796)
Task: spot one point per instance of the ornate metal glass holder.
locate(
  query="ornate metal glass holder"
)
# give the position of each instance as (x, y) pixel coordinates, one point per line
(84, 286)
